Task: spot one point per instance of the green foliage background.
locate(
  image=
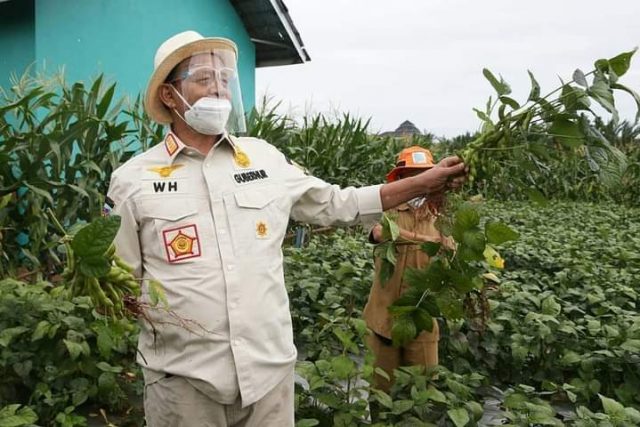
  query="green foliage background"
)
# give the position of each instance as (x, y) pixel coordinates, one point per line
(563, 345)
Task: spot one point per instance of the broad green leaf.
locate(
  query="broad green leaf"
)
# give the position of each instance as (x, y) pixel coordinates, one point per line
(103, 106)
(383, 398)
(422, 320)
(536, 196)
(107, 382)
(95, 266)
(574, 99)
(601, 92)
(343, 367)
(567, 132)
(459, 416)
(105, 343)
(94, 239)
(500, 86)
(466, 217)
(620, 64)
(631, 345)
(551, 307)
(8, 334)
(580, 78)
(611, 407)
(401, 310)
(436, 395)
(390, 229)
(499, 232)
(403, 331)
(11, 416)
(431, 248)
(472, 245)
(75, 349)
(41, 330)
(401, 406)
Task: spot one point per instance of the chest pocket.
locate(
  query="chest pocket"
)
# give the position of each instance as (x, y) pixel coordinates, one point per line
(169, 229)
(258, 218)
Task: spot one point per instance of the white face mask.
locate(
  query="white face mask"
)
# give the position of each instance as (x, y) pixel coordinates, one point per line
(207, 115)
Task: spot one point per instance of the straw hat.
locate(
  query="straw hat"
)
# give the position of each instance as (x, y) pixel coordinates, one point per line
(411, 158)
(170, 53)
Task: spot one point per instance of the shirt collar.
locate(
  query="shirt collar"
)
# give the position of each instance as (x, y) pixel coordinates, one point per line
(174, 146)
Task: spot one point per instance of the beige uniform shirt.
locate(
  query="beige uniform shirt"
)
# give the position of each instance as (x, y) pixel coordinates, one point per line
(210, 229)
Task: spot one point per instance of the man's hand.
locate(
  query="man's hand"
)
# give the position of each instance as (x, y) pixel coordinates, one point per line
(448, 174)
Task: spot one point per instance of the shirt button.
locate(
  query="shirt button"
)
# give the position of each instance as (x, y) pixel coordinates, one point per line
(223, 232)
(237, 341)
(233, 304)
(230, 267)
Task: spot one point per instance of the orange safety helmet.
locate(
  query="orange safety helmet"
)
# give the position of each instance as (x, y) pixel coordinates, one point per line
(414, 157)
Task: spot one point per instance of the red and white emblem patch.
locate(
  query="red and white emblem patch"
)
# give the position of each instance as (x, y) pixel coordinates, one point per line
(181, 243)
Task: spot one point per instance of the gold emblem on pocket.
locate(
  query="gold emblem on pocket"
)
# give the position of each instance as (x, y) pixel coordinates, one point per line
(262, 231)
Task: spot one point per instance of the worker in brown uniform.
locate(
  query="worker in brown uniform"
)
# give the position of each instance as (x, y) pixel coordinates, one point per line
(416, 220)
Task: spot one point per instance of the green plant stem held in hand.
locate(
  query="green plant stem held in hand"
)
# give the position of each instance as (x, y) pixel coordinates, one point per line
(453, 282)
(545, 123)
(93, 269)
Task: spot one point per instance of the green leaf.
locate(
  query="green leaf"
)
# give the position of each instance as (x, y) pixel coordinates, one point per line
(105, 367)
(631, 345)
(156, 294)
(611, 407)
(435, 395)
(11, 416)
(472, 245)
(574, 99)
(7, 335)
(459, 416)
(403, 331)
(94, 239)
(41, 330)
(534, 94)
(567, 132)
(500, 86)
(580, 78)
(390, 230)
(550, 306)
(634, 95)
(105, 343)
(75, 349)
(536, 196)
(401, 406)
(343, 367)
(620, 64)
(40, 192)
(96, 266)
(103, 106)
(601, 92)
(466, 217)
(307, 422)
(383, 398)
(431, 248)
(499, 232)
(422, 320)
(386, 272)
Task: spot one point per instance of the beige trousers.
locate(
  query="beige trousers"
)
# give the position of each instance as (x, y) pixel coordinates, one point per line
(421, 351)
(174, 402)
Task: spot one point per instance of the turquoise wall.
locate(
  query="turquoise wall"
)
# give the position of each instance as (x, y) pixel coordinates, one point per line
(119, 37)
(17, 38)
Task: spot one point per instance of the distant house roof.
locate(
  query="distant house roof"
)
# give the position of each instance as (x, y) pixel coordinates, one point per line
(405, 129)
(271, 29)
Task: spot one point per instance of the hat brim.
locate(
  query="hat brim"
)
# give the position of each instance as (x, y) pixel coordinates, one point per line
(153, 105)
(393, 175)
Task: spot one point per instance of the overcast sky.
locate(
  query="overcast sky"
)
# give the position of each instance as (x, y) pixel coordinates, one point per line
(422, 60)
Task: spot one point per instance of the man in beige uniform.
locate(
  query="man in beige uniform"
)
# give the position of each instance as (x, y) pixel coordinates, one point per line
(205, 213)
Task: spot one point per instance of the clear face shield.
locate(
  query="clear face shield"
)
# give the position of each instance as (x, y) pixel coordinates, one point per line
(209, 85)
